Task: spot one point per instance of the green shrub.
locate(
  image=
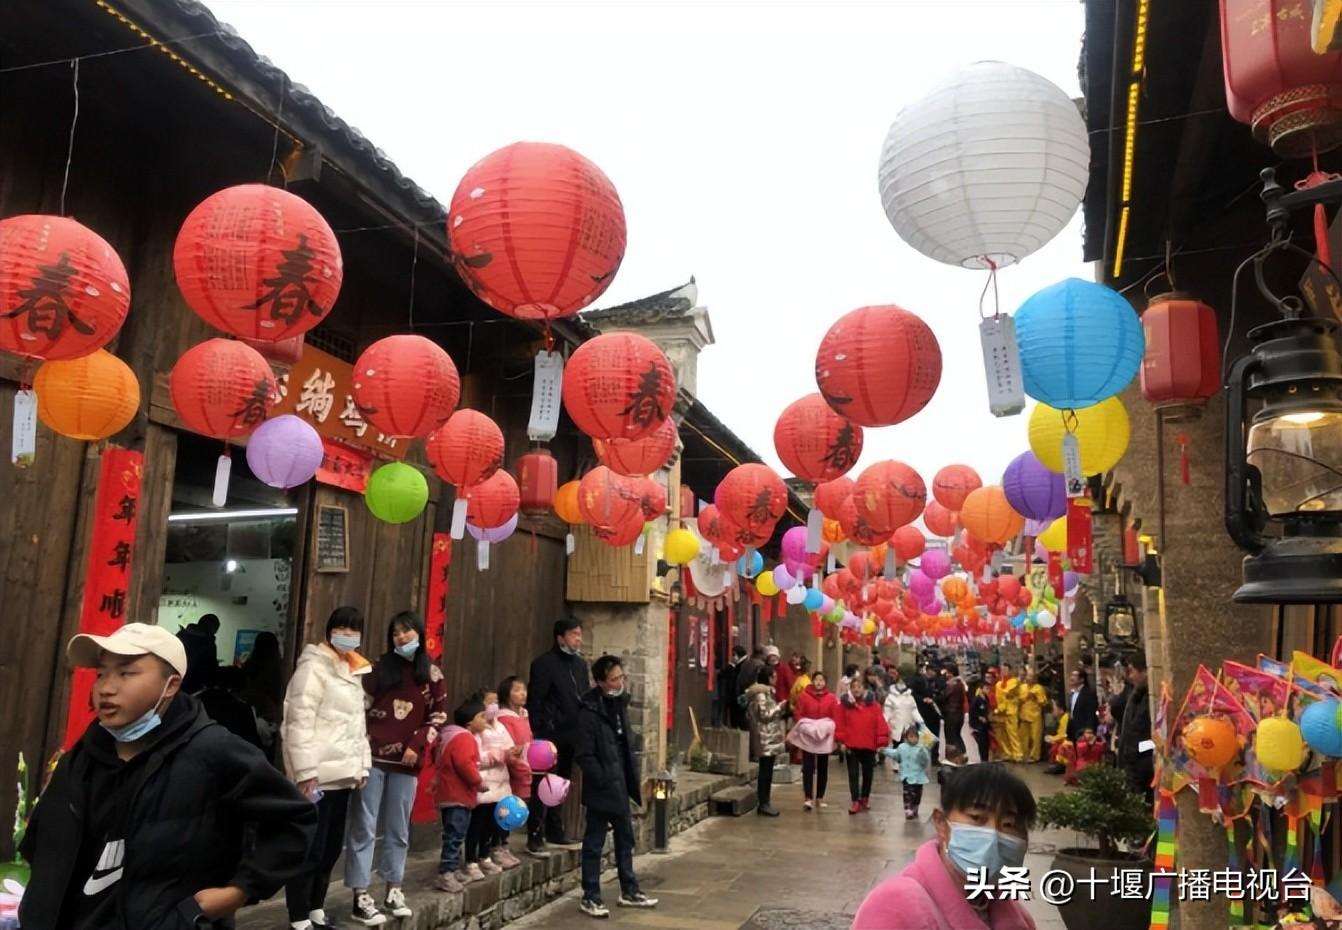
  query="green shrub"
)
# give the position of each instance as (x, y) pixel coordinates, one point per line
(1104, 806)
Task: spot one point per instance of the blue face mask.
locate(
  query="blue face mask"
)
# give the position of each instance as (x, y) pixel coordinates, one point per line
(972, 847)
(408, 650)
(343, 643)
(139, 729)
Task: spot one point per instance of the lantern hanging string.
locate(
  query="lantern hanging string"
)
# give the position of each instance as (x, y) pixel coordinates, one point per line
(414, 264)
(1069, 420)
(275, 142)
(70, 148)
(991, 282)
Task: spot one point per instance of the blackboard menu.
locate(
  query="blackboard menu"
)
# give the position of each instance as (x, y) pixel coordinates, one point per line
(332, 539)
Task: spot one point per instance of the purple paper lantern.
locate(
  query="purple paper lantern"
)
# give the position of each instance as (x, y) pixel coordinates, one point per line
(935, 564)
(493, 534)
(284, 452)
(783, 578)
(1032, 490)
(552, 790)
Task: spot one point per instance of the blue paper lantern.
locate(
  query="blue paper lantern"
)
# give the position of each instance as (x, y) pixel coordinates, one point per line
(1321, 725)
(814, 598)
(1032, 490)
(510, 813)
(750, 565)
(1080, 343)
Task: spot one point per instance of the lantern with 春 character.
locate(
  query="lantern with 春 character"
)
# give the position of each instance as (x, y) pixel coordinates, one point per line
(396, 493)
(618, 386)
(222, 388)
(406, 385)
(640, 457)
(856, 527)
(285, 452)
(815, 443)
(709, 522)
(467, 449)
(651, 498)
(89, 398)
(889, 495)
(1182, 364)
(752, 497)
(537, 481)
(878, 366)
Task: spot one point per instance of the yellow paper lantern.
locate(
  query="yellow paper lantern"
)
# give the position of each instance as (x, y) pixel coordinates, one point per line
(765, 584)
(1279, 744)
(868, 626)
(87, 398)
(681, 547)
(1054, 539)
(1102, 434)
(1211, 741)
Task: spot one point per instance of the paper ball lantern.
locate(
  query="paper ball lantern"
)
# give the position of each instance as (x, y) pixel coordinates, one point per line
(542, 755)
(815, 443)
(1101, 435)
(766, 585)
(710, 525)
(536, 231)
(1210, 741)
(952, 484)
(1279, 744)
(986, 168)
(954, 588)
(495, 534)
(63, 290)
(89, 398)
(222, 388)
(856, 526)
(681, 547)
(285, 452)
(258, 262)
(1045, 619)
(494, 501)
(538, 481)
(396, 493)
(878, 366)
(752, 497)
(565, 504)
(988, 516)
(1032, 490)
(406, 385)
(622, 534)
(889, 495)
(1054, 539)
(909, 543)
(552, 790)
(618, 386)
(935, 564)
(608, 500)
(830, 495)
(938, 520)
(510, 813)
(1321, 727)
(1080, 342)
(467, 449)
(832, 532)
(640, 456)
(651, 498)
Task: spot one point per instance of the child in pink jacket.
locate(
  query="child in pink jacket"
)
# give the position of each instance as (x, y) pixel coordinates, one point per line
(497, 752)
(513, 716)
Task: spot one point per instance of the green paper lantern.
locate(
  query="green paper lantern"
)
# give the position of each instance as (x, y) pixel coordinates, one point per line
(397, 493)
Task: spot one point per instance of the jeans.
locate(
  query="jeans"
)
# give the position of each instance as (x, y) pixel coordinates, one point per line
(594, 840)
(480, 832)
(307, 892)
(390, 794)
(455, 822)
(814, 773)
(864, 760)
(548, 822)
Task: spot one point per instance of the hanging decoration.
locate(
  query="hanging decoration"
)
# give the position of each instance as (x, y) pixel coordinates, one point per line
(1032, 490)
(565, 504)
(467, 449)
(639, 457)
(888, 495)
(89, 398)
(222, 388)
(752, 497)
(681, 547)
(618, 386)
(258, 262)
(952, 484)
(988, 516)
(1182, 364)
(396, 493)
(285, 452)
(938, 520)
(1101, 433)
(857, 528)
(815, 443)
(878, 366)
(909, 543)
(406, 385)
(494, 501)
(607, 499)
(830, 495)
(652, 501)
(538, 482)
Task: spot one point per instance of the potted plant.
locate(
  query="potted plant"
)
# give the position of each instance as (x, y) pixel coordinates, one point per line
(1105, 807)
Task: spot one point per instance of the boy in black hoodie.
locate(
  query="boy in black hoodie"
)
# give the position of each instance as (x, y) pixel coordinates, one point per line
(142, 824)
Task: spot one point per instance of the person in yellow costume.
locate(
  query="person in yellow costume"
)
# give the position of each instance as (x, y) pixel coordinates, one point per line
(1033, 699)
(996, 728)
(1008, 705)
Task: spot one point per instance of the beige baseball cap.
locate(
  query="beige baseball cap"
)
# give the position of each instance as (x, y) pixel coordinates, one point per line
(133, 639)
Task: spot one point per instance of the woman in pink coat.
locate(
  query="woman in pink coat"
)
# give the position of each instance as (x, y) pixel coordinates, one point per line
(983, 825)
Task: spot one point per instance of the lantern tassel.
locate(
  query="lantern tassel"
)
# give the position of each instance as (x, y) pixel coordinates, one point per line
(1322, 246)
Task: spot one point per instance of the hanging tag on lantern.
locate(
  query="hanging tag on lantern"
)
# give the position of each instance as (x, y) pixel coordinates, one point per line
(1072, 475)
(459, 518)
(221, 474)
(569, 544)
(831, 563)
(714, 555)
(545, 396)
(482, 556)
(1001, 362)
(891, 565)
(24, 447)
(998, 560)
(639, 544)
(1080, 533)
(815, 523)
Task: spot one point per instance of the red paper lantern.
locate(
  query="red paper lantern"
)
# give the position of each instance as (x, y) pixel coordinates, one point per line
(286, 352)
(621, 535)
(909, 543)
(63, 290)
(639, 457)
(814, 442)
(889, 495)
(618, 386)
(608, 499)
(752, 497)
(1275, 82)
(222, 388)
(406, 385)
(494, 501)
(938, 520)
(952, 485)
(740, 537)
(829, 497)
(686, 502)
(536, 231)
(466, 450)
(856, 527)
(1008, 587)
(258, 262)
(710, 524)
(988, 516)
(878, 366)
(651, 498)
(538, 482)
(861, 566)
(1182, 365)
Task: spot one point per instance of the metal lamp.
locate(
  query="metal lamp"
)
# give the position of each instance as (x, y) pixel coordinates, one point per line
(1120, 621)
(663, 786)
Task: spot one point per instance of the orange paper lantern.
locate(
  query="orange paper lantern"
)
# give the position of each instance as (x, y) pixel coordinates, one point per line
(565, 504)
(832, 532)
(878, 366)
(987, 516)
(406, 385)
(639, 457)
(222, 388)
(88, 398)
(814, 442)
(258, 262)
(63, 290)
(752, 497)
(536, 231)
(467, 449)
(889, 495)
(609, 500)
(954, 589)
(538, 481)
(494, 501)
(952, 485)
(618, 386)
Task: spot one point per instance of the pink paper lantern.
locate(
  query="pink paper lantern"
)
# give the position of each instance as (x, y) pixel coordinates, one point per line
(935, 564)
(542, 755)
(552, 790)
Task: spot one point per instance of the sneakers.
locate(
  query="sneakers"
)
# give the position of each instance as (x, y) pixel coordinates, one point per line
(504, 858)
(808, 805)
(365, 911)
(822, 804)
(473, 872)
(637, 899)
(563, 842)
(536, 849)
(855, 807)
(448, 882)
(594, 908)
(395, 903)
(910, 814)
(767, 810)
(866, 804)
(489, 867)
(318, 920)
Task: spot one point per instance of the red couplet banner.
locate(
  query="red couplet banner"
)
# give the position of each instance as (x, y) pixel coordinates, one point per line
(1080, 536)
(435, 613)
(107, 579)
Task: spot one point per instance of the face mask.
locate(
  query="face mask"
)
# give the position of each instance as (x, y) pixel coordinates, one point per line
(615, 694)
(491, 711)
(343, 643)
(567, 651)
(407, 650)
(141, 728)
(973, 847)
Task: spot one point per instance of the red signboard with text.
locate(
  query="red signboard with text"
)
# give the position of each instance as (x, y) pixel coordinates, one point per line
(435, 614)
(345, 466)
(1080, 535)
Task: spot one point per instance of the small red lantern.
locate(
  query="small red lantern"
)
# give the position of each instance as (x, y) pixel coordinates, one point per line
(686, 502)
(710, 524)
(494, 501)
(406, 385)
(639, 457)
(222, 388)
(467, 449)
(536, 231)
(608, 499)
(829, 497)
(1132, 555)
(651, 498)
(1182, 366)
(618, 386)
(258, 262)
(889, 495)
(952, 484)
(63, 290)
(752, 497)
(814, 442)
(909, 543)
(538, 481)
(878, 366)
(856, 527)
(938, 520)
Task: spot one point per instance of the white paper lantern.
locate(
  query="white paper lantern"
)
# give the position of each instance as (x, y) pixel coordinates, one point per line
(986, 168)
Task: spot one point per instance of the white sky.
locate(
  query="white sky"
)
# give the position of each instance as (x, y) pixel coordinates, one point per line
(743, 138)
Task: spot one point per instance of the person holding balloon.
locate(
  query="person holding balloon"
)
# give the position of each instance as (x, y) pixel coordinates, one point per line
(513, 718)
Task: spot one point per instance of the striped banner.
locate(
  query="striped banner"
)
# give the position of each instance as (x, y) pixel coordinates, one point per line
(1167, 819)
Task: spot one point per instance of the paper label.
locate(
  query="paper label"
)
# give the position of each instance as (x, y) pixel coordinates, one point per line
(25, 429)
(639, 544)
(221, 475)
(482, 556)
(458, 530)
(891, 566)
(815, 523)
(831, 563)
(1001, 364)
(1074, 478)
(569, 544)
(545, 396)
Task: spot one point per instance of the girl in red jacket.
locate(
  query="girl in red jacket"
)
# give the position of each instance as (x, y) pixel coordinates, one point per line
(456, 785)
(817, 712)
(862, 730)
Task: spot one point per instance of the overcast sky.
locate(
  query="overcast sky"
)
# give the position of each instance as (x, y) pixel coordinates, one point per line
(743, 138)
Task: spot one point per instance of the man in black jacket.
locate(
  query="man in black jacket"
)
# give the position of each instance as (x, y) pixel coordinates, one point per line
(557, 683)
(1134, 756)
(609, 782)
(1083, 706)
(143, 822)
(928, 689)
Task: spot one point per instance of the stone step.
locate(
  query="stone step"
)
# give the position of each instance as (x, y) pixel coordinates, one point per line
(733, 802)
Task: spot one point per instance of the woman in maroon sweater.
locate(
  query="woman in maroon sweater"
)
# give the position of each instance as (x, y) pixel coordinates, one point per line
(407, 706)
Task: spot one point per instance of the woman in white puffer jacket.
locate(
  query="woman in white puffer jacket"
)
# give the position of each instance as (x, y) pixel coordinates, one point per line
(901, 710)
(326, 751)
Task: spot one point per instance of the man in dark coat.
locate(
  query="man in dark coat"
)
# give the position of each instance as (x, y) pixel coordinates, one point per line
(727, 690)
(954, 702)
(609, 782)
(557, 683)
(202, 652)
(746, 676)
(1083, 706)
(1133, 758)
(146, 820)
(927, 691)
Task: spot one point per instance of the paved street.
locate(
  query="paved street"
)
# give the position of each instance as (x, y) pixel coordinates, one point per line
(799, 870)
